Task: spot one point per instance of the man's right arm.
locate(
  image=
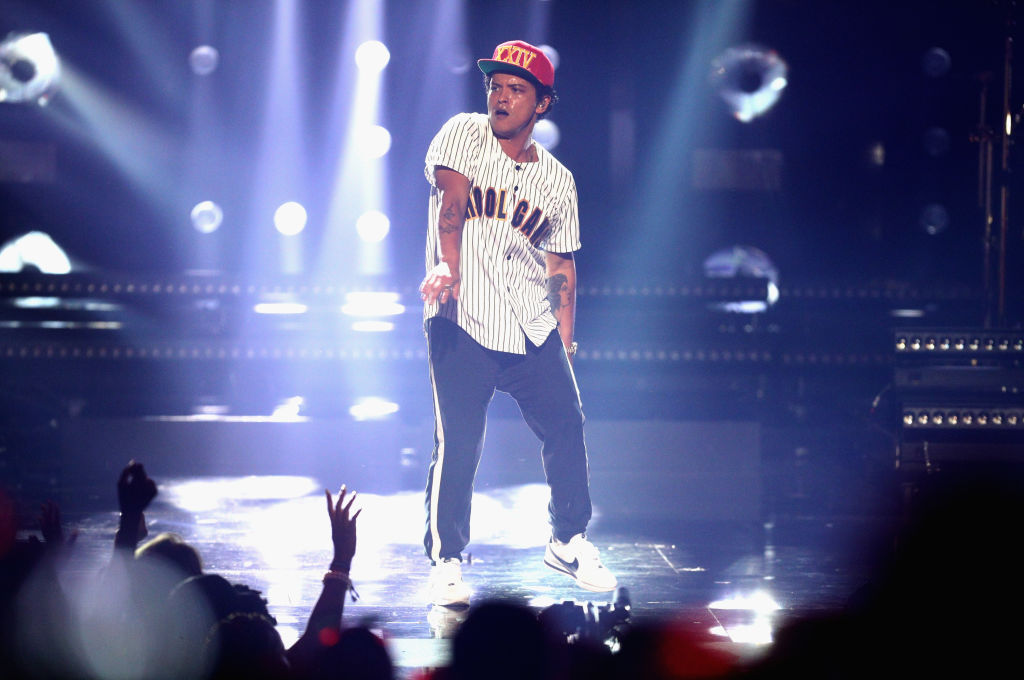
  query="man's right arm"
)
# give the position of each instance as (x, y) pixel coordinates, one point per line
(443, 281)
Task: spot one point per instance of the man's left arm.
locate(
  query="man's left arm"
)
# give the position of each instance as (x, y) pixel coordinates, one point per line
(561, 270)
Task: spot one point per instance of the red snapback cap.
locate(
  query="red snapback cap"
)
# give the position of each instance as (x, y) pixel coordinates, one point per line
(520, 58)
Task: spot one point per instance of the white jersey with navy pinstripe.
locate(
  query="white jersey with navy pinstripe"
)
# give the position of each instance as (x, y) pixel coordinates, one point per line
(517, 213)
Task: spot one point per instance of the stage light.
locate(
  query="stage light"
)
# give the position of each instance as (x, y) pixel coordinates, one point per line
(372, 56)
(375, 141)
(552, 54)
(373, 326)
(373, 226)
(876, 154)
(934, 219)
(207, 217)
(907, 313)
(936, 142)
(29, 68)
(283, 308)
(289, 409)
(34, 249)
(744, 262)
(458, 60)
(204, 60)
(546, 133)
(746, 618)
(372, 408)
(372, 304)
(936, 62)
(957, 416)
(750, 79)
(290, 218)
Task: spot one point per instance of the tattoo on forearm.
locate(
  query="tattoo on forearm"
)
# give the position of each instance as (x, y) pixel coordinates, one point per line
(558, 285)
(451, 219)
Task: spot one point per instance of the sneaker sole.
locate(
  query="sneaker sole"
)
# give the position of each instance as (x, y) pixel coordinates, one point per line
(582, 584)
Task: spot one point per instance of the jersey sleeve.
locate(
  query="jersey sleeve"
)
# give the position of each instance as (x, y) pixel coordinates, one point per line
(457, 145)
(565, 236)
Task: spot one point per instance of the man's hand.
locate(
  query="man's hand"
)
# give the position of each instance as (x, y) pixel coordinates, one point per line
(441, 284)
(343, 528)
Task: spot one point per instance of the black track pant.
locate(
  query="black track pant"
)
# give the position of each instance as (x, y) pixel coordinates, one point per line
(464, 375)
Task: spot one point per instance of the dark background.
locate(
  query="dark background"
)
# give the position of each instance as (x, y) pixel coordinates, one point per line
(856, 78)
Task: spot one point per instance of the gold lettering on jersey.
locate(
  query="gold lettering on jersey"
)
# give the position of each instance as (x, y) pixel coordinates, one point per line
(501, 214)
(519, 213)
(492, 203)
(475, 206)
(531, 222)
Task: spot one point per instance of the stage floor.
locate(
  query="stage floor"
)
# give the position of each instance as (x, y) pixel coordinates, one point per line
(736, 583)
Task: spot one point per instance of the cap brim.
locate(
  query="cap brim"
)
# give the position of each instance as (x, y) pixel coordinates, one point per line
(490, 66)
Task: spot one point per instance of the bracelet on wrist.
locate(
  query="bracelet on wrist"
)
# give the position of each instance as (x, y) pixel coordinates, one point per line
(339, 575)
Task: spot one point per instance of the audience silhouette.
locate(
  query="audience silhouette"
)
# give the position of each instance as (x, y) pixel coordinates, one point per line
(154, 612)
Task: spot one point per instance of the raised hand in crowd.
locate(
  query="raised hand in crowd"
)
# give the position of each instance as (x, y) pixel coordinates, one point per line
(52, 529)
(343, 529)
(135, 490)
(323, 629)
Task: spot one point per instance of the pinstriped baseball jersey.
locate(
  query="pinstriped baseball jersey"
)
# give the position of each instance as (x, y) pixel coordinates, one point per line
(517, 213)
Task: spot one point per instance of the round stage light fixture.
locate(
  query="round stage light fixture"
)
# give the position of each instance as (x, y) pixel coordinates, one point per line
(744, 262)
(458, 60)
(934, 219)
(372, 56)
(204, 60)
(546, 133)
(375, 141)
(373, 226)
(552, 54)
(936, 142)
(936, 62)
(750, 79)
(29, 69)
(207, 217)
(290, 218)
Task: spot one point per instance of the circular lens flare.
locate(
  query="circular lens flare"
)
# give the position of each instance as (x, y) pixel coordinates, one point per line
(372, 56)
(546, 133)
(207, 217)
(204, 60)
(290, 218)
(373, 226)
(375, 141)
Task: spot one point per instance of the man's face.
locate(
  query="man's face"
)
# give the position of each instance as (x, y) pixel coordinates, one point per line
(512, 105)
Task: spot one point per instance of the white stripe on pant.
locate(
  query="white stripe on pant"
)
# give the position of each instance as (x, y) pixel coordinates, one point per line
(463, 378)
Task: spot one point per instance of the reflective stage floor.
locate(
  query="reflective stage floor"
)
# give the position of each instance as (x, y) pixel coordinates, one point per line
(735, 583)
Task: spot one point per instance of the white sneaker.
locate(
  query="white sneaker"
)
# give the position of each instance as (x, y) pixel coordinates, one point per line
(579, 559)
(446, 585)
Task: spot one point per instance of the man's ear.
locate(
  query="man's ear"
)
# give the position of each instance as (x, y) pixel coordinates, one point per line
(543, 104)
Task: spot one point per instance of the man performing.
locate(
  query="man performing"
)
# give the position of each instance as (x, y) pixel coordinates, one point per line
(499, 309)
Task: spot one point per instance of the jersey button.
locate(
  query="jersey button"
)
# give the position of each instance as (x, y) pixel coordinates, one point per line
(508, 257)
